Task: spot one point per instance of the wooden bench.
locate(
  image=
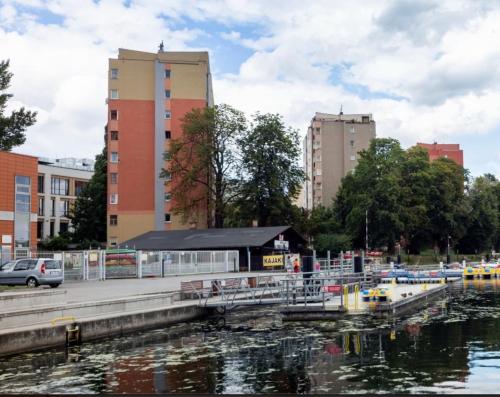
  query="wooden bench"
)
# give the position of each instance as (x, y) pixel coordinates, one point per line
(193, 289)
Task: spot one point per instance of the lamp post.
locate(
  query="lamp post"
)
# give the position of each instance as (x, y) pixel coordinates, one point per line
(448, 251)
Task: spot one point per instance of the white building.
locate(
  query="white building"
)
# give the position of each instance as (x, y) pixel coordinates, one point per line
(60, 181)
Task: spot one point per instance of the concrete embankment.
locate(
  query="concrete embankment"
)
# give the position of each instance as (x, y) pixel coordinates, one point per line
(37, 327)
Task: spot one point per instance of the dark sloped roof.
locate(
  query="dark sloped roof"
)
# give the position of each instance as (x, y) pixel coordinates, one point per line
(206, 238)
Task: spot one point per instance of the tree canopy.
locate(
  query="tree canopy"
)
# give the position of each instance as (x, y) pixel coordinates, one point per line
(13, 126)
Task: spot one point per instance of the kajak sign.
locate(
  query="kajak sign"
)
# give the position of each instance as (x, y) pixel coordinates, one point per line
(273, 260)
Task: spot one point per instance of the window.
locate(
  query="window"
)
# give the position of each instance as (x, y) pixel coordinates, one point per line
(41, 182)
(113, 220)
(52, 206)
(167, 73)
(64, 208)
(114, 178)
(114, 157)
(114, 74)
(114, 94)
(41, 205)
(168, 196)
(167, 135)
(317, 129)
(52, 228)
(63, 227)
(22, 265)
(79, 186)
(59, 186)
(114, 135)
(167, 114)
(114, 115)
(167, 217)
(365, 119)
(353, 130)
(113, 198)
(39, 229)
(167, 93)
(23, 196)
(352, 143)
(23, 180)
(353, 157)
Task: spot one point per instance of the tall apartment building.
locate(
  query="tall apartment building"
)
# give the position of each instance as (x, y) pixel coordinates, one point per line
(330, 151)
(60, 181)
(450, 151)
(149, 93)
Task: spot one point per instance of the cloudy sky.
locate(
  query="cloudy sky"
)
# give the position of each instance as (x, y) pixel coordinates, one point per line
(428, 70)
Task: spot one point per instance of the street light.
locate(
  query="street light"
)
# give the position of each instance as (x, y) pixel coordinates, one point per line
(448, 251)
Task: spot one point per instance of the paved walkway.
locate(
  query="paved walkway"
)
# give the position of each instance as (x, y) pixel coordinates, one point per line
(84, 291)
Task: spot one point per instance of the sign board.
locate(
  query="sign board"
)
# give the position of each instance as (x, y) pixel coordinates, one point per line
(6, 239)
(273, 260)
(281, 245)
(335, 289)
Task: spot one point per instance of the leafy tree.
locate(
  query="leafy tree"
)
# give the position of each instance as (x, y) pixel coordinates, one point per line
(12, 127)
(272, 175)
(56, 243)
(332, 242)
(447, 204)
(89, 212)
(482, 230)
(415, 182)
(204, 164)
(374, 186)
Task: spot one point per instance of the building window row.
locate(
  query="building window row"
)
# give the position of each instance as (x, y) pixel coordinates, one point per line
(113, 178)
(168, 134)
(114, 135)
(41, 206)
(113, 94)
(114, 157)
(114, 74)
(113, 220)
(168, 114)
(113, 198)
(113, 114)
(167, 73)
(59, 186)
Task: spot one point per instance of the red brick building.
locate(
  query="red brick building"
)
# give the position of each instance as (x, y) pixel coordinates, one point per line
(450, 151)
(18, 204)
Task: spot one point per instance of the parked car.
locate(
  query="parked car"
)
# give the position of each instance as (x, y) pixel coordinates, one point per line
(32, 272)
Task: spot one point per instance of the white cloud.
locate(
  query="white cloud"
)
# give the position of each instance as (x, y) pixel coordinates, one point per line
(441, 56)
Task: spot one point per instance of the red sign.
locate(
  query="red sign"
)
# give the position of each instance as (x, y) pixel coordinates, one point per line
(335, 289)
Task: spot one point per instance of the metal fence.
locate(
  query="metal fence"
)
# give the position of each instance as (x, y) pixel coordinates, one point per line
(100, 265)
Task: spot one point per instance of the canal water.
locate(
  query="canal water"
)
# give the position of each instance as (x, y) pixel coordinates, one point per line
(451, 346)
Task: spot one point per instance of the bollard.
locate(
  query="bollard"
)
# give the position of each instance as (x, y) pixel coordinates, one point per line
(356, 296)
(346, 297)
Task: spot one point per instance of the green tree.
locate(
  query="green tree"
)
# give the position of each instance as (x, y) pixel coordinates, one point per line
(415, 182)
(88, 215)
(482, 230)
(204, 163)
(332, 242)
(448, 207)
(12, 127)
(272, 176)
(373, 189)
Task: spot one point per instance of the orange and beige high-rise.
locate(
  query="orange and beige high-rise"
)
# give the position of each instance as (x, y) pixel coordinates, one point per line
(331, 148)
(149, 94)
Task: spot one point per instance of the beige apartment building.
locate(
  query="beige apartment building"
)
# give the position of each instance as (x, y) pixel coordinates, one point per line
(331, 148)
(149, 94)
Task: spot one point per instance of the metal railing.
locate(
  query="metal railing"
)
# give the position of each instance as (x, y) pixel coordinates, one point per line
(101, 265)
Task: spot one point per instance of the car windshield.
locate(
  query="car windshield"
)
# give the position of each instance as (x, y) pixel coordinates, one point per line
(7, 266)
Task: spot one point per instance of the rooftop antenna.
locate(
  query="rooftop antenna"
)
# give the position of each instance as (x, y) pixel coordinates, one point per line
(161, 47)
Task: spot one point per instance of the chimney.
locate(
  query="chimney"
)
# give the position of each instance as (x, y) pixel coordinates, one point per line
(255, 223)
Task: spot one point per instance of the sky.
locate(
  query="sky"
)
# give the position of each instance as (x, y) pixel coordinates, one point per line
(427, 70)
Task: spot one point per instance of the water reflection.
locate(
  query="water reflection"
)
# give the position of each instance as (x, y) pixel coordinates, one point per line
(452, 345)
